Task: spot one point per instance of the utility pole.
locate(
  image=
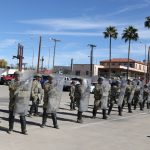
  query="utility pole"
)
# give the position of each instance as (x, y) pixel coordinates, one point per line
(71, 65)
(19, 56)
(148, 66)
(55, 41)
(91, 59)
(42, 60)
(32, 52)
(39, 54)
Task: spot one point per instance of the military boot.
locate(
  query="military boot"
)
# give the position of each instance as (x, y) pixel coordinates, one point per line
(148, 105)
(120, 110)
(79, 119)
(54, 118)
(141, 106)
(104, 114)
(23, 125)
(44, 118)
(71, 106)
(94, 113)
(36, 110)
(110, 109)
(129, 108)
(11, 123)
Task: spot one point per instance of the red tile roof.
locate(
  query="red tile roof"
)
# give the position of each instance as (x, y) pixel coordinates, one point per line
(121, 60)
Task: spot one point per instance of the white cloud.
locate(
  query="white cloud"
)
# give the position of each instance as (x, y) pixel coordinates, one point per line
(7, 43)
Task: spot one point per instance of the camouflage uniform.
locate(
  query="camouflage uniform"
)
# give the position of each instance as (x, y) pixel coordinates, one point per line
(48, 87)
(36, 95)
(114, 94)
(100, 98)
(71, 94)
(145, 95)
(128, 91)
(13, 87)
(77, 98)
(136, 96)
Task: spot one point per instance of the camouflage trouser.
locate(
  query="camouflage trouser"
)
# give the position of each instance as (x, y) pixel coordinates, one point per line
(97, 104)
(72, 104)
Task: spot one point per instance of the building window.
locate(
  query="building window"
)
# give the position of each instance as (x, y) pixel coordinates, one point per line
(87, 73)
(77, 73)
(139, 67)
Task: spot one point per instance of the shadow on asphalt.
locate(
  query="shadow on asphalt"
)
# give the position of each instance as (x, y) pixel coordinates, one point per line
(4, 110)
(3, 129)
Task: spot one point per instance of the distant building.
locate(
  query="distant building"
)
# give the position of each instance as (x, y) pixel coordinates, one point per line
(119, 67)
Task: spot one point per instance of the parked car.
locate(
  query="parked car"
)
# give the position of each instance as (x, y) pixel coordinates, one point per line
(92, 87)
(6, 79)
(67, 84)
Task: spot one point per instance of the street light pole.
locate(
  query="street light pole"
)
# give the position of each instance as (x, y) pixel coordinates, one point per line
(55, 41)
(91, 59)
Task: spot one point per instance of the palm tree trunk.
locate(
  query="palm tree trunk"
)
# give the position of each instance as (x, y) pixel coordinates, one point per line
(110, 58)
(128, 60)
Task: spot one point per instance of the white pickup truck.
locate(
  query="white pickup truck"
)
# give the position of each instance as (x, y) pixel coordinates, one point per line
(67, 84)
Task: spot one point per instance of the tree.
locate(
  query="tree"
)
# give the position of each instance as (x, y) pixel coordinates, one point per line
(147, 22)
(3, 63)
(147, 25)
(110, 32)
(129, 34)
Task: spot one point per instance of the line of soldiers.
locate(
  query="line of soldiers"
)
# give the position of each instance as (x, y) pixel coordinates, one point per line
(106, 94)
(119, 92)
(19, 100)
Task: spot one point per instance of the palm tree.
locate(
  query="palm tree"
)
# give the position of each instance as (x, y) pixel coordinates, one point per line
(110, 32)
(147, 22)
(147, 25)
(129, 34)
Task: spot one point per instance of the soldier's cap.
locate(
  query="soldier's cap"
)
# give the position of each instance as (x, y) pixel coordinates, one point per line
(50, 76)
(101, 78)
(17, 73)
(38, 75)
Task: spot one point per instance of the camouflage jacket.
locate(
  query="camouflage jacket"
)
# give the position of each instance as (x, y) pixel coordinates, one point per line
(98, 91)
(47, 90)
(36, 90)
(128, 91)
(78, 92)
(114, 92)
(72, 90)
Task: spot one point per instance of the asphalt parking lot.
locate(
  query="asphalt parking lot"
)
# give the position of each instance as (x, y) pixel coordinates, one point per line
(127, 132)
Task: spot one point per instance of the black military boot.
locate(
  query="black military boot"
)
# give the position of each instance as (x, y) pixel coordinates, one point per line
(11, 122)
(44, 118)
(54, 118)
(32, 109)
(129, 108)
(148, 105)
(36, 110)
(94, 113)
(104, 114)
(141, 106)
(71, 106)
(120, 110)
(110, 109)
(23, 125)
(79, 119)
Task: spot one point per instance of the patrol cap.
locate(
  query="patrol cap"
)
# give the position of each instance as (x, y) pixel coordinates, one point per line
(17, 73)
(50, 76)
(38, 75)
(101, 78)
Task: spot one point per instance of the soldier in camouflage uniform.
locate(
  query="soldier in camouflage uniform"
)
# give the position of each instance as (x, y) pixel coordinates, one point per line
(71, 94)
(145, 95)
(97, 96)
(127, 95)
(47, 88)
(136, 95)
(114, 94)
(36, 95)
(13, 86)
(77, 98)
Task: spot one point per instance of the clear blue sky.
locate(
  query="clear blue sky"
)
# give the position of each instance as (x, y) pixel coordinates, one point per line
(76, 23)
